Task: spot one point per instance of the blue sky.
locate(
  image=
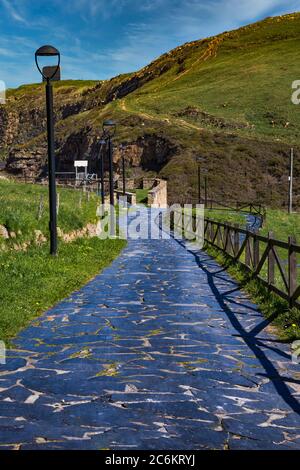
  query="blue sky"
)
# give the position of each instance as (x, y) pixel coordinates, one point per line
(102, 38)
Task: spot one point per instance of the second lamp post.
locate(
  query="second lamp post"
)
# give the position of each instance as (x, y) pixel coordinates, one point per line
(109, 130)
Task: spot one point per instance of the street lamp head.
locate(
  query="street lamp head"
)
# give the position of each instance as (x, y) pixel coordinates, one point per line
(47, 51)
(109, 127)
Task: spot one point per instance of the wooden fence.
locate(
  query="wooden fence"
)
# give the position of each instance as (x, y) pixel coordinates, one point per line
(273, 262)
(255, 208)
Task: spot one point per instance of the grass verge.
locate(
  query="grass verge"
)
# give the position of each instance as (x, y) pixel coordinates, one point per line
(32, 282)
(285, 320)
(25, 208)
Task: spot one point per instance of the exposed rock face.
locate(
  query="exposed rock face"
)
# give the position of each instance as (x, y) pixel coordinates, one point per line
(9, 125)
(150, 152)
(23, 162)
(78, 146)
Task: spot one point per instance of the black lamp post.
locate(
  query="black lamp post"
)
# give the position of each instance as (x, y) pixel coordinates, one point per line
(199, 161)
(50, 51)
(109, 130)
(206, 189)
(123, 169)
(102, 144)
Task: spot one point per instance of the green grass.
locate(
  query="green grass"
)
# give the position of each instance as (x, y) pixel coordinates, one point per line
(32, 282)
(20, 203)
(286, 321)
(235, 82)
(142, 196)
(225, 216)
(282, 224)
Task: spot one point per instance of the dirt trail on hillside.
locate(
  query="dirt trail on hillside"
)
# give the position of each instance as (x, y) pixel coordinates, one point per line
(181, 122)
(210, 52)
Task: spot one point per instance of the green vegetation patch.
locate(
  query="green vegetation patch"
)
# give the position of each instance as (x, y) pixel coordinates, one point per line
(25, 208)
(32, 282)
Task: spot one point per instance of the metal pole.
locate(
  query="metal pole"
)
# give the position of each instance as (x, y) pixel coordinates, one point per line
(206, 198)
(199, 184)
(124, 179)
(51, 169)
(102, 176)
(111, 172)
(291, 175)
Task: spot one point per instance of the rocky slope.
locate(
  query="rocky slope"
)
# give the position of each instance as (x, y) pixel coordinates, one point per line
(226, 98)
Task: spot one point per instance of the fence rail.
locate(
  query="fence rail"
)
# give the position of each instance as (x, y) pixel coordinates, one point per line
(273, 262)
(255, 208)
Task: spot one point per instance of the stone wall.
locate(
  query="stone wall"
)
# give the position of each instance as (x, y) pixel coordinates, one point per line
(158, 196)
(130, 183)
(148, 183)
(131, 197)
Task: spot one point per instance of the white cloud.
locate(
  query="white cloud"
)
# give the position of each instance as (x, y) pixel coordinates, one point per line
(12, 9)
(143, 29)
(187, 20)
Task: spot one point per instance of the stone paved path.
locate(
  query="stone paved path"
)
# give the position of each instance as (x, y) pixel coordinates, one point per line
(160, 351)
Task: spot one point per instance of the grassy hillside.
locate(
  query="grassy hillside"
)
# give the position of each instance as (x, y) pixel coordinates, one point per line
(227, 98)
(243, 77)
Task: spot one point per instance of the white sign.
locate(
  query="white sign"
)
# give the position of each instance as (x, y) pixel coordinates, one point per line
(81, 163)
(2, 353)
(2, 92)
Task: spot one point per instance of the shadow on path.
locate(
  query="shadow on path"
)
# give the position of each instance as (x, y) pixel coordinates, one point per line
(250, 338)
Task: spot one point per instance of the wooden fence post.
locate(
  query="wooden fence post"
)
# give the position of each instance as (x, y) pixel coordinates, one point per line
(226, 236)
(236, 241)
(219, 235)
(57, 203)
(212, 234)
(230, 242)
(271, 260)
(41, 207)
(247, 251)
(255, 251)
(209, 231)
(292, 266)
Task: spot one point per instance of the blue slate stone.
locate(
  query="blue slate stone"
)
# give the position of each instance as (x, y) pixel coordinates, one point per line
(157, 352)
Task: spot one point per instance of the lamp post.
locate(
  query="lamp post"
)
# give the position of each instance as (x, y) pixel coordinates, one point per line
(109, 130)
(50, 51)
(199, 160)
(206, 190)
(102, 144)
(291, 176)
(123, 169)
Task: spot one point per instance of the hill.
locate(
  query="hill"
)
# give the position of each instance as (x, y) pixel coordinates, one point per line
(227, 98)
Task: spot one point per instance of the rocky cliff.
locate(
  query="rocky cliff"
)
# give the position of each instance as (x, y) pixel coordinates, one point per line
(225, 98)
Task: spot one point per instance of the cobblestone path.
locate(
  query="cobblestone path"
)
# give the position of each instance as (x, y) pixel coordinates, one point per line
(160, 351)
